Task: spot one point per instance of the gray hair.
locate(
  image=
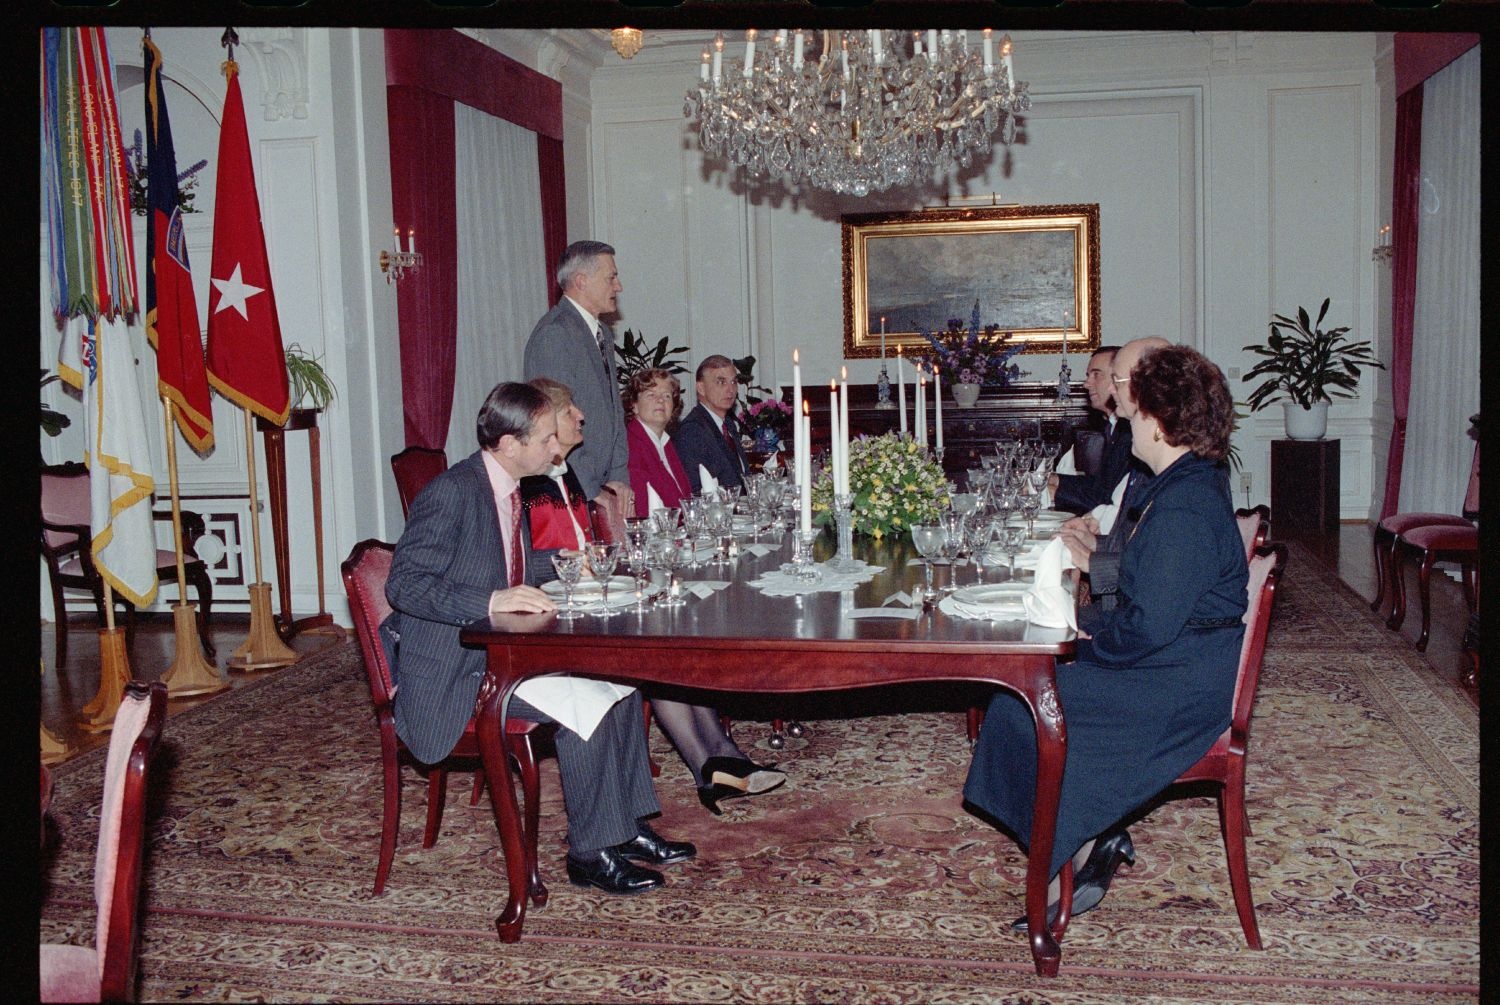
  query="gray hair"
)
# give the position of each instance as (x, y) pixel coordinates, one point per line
(579, 257)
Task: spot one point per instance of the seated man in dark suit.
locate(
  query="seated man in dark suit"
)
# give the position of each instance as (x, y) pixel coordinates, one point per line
(709, 436)
(462, 556)
(1081, 493)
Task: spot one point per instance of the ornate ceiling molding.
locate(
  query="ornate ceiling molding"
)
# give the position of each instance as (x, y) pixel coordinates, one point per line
(280, 54)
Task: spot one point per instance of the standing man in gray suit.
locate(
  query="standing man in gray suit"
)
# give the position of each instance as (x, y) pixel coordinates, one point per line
(464, 555)
(571, 345)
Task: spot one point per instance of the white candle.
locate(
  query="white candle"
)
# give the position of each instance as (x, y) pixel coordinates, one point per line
(1010, 70)
(411, 242)
(804, 467)
(989, 53)
(749, 53)
(844, 56)
(834, 439)
(799, 444)
(921, 409)
(901, 387)
(718, 57)
(937, 398)
(932, 45)
(844, 430)
(797, 50)
(882, 338)
(877, 47)
(703, 70)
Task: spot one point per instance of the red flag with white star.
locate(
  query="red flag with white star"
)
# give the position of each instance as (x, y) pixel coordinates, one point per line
(246, 362)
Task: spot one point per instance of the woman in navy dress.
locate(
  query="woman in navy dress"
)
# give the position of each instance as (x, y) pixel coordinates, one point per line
(1150, 690)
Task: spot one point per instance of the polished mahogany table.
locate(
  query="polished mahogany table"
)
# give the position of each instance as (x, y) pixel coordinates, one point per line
(741, 640)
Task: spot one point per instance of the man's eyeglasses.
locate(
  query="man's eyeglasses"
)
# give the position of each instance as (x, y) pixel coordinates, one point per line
(1117, 381)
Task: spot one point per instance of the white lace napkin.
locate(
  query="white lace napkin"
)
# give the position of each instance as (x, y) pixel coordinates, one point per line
(576, 702)
(1049, 603)
(702, 588)
(653, 501)
(706, 481)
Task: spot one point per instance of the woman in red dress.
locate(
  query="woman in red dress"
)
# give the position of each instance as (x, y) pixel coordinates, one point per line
(653, 402)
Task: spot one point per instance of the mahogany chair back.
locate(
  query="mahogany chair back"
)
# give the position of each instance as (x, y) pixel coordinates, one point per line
(414, 467)
(1255, 524)
(107, 971)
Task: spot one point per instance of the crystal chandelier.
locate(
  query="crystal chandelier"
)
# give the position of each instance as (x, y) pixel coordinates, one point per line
(856, 112)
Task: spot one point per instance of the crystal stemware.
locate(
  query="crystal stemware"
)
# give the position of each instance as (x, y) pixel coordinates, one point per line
(569, 566)
(1012, 541)
(603, 558)
(665, 555)
(929, 540)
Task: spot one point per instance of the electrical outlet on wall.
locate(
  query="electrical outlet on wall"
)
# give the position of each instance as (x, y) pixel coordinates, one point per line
(1245, 482)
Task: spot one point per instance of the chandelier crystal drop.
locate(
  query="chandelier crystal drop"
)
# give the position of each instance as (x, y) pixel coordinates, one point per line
(856, 112)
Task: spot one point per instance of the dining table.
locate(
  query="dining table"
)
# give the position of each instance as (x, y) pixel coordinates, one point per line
(741, 639)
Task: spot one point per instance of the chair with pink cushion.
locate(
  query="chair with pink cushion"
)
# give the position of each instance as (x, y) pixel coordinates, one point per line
(105, 971)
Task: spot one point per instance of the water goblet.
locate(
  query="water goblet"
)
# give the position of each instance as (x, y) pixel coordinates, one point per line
(1012, 542)
(664, 519)
(929, 540)
(603, 557)
(569, 565)
(665, 555)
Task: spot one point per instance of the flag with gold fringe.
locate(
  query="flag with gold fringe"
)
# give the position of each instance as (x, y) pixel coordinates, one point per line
(87, 201)
(171, 307)
(246, 362)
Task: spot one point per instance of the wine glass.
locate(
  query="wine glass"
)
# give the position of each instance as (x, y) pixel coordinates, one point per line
(1012, 541)
(569, 565)
(637, 531)
(664, 519)
(929, 540)
(603, 557)
(665, 555)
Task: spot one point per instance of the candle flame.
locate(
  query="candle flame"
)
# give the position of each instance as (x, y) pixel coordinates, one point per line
(794, 355)
(844, 373)
(804, 406)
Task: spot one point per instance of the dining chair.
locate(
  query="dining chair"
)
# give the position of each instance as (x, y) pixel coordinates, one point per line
(1255, 524)
(106, 970)
(70, 562)
(1424, 539)
(607, 515)
(414, 467)
(365, 572)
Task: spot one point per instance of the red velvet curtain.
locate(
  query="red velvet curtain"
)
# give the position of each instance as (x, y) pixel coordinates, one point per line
(1406, 197)
(549, 158)
(427, 70)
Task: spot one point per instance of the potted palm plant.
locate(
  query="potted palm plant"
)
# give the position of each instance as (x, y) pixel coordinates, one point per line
(1305, 368)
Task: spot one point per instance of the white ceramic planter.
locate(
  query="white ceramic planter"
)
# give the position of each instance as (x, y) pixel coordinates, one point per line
(965, 395)
(1305, 423)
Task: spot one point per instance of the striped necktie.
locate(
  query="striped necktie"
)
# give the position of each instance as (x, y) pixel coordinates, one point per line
(603, 346)
(517, 570)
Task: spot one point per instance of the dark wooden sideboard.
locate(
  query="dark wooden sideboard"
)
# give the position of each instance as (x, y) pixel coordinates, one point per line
(1020, 412)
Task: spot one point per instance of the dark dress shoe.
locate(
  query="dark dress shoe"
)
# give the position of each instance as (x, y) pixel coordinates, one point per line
(611, 872)
(649, 846)
(711, 795)
(741, 773)
(1091, 882)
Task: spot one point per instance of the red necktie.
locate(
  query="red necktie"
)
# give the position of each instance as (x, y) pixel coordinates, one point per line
(517, 563)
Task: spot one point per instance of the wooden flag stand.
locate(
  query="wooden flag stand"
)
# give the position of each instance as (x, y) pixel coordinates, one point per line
(263, 648)
(53, 749)
(114, 671)
(189, 673)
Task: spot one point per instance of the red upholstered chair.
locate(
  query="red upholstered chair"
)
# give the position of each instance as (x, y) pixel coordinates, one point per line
(1255, 524)
(365, 572)
(106, 970)
(1224, 764)
(414, 467)
(1424, 539)
(70, 563)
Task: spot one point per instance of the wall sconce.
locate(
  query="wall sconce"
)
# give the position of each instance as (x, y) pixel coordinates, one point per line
(395, 263)
(626, 41)
(1383, 249)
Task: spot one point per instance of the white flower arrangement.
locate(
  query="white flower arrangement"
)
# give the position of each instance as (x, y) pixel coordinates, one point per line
(894, 484)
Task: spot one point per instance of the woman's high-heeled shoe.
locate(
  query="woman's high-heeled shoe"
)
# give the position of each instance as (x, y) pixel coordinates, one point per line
(1091, 882)
(743, 774)
(711, 795)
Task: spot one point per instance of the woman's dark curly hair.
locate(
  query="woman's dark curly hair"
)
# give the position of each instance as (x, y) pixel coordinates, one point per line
(1186, 393)
(640, 381)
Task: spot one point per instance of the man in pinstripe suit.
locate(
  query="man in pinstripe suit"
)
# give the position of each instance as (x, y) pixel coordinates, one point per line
(456, 562)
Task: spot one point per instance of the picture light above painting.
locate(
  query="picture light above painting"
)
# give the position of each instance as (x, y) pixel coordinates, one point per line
(1033, 269)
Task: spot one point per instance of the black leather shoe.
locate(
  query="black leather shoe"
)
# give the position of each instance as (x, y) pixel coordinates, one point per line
(743, 774)
(649, 846)
(711, 795)
(611, 872)
(1091, 882)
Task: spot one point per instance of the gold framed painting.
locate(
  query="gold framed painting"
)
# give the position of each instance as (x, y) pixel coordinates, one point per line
(1034, 271)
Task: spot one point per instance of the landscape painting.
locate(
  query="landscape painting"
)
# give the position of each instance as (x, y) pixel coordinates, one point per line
(1033, 270)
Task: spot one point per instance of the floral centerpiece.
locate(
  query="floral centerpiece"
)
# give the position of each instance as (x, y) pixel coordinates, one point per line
(768, 420)
(973, 356)
(894, 484)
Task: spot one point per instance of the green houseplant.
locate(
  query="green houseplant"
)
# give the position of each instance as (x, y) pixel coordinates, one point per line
(1305, 368)
(632, 356)
(309, 384)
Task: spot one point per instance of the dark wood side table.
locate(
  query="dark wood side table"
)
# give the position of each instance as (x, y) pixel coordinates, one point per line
(275, 439)
(1305, 485)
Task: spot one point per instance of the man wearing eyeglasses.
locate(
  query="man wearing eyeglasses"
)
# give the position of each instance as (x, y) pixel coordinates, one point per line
(1081, 493)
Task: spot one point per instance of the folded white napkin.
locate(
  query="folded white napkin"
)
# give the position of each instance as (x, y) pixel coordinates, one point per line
(1065, 464)
(758, 550)
(900, 597)
(1049, 603)
(706, 481)
(653, 501)
(702, 588)
(771, 463)
(575, 702)
(1105, 513)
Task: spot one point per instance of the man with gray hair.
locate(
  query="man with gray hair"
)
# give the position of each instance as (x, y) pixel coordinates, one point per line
(571, 345)
(708, 439)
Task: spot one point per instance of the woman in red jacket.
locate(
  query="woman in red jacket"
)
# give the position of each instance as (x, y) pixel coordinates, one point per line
(653, 402)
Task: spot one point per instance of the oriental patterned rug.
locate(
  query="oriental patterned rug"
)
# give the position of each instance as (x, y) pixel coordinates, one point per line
(861, 880)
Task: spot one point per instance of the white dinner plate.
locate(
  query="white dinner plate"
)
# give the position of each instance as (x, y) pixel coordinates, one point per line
(589, 591)
(987, 594)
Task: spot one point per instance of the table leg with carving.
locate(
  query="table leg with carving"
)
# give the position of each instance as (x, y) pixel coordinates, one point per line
(1040, 695)
(489, 729)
